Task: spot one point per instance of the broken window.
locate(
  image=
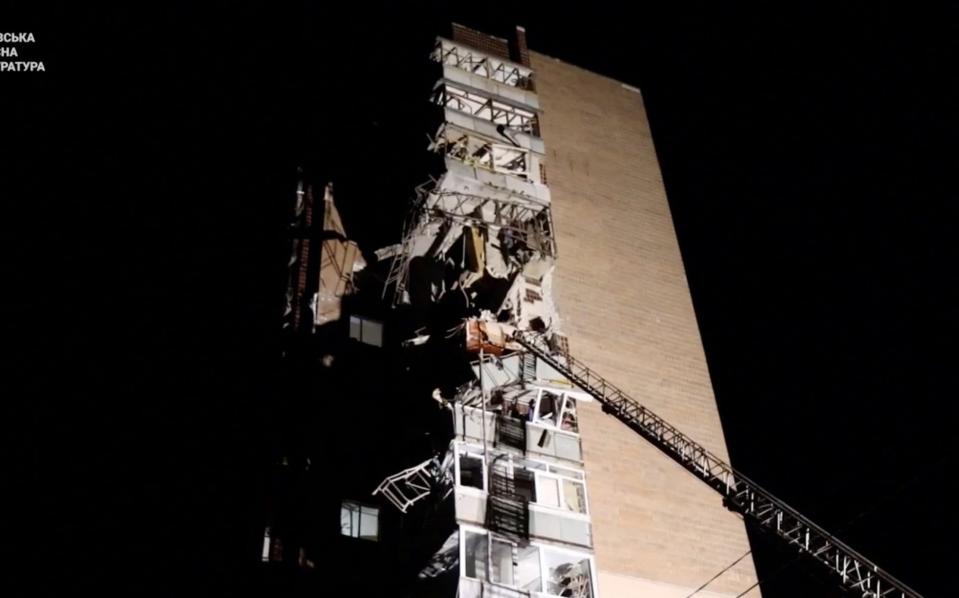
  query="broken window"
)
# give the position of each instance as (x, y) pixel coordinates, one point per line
(556, 409)
(471, 471)
(560, 492)
(475, 555)
(501, 561)
(568, 574)
(525, 483)
(548, 407)
(359, 521)
(526, 568)
(574, 496)
(487, 108)
(509, 564)
(568, 418)
(499, 555)
(476, 63)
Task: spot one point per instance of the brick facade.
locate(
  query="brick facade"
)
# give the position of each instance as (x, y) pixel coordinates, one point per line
(624, 301)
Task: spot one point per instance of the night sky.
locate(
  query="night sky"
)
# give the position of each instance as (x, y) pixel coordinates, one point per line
(809, 155)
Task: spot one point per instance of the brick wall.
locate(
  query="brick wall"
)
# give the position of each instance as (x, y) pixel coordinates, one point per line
(515, 49)
(624, 302)
(494, 46)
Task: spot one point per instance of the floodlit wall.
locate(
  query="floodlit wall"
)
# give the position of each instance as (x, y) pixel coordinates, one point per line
(624, 302)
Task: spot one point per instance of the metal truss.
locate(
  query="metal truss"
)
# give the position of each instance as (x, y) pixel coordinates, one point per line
(740, 494)
(398, 276)
(472, 209)
(406, 488)
(486, 108)
(471, 61)
(477, 152)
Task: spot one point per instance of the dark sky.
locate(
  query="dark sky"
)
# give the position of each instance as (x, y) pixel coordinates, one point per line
(808, 154)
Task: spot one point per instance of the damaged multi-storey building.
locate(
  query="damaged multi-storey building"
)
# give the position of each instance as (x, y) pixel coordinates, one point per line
(452, 445)
(476, 467)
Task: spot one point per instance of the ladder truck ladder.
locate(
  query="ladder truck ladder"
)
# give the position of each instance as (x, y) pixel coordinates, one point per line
(740, 494)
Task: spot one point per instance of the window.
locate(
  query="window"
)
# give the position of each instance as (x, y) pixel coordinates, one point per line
(474, 564)
(541, 483)
(471, 471)
(560, 493)
(509, 564)
(548, 493)
(366, 331)
(556, 409)
(359, 521)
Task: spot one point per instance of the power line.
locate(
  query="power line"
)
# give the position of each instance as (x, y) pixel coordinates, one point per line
(714, 577)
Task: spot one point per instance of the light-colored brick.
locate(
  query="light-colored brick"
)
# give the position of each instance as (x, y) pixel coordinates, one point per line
(624, 302)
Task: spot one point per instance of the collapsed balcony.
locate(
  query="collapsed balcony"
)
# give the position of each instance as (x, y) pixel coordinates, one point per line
(474, 150)
(503, 166)
(498, 112)
(477, 63)
(489, 236)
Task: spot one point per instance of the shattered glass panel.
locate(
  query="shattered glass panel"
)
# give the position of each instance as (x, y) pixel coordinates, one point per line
(474, 561)
(567, 575)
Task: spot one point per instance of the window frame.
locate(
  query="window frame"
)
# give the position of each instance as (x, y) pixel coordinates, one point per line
(542, 549)
(356, 507)
(540, 469)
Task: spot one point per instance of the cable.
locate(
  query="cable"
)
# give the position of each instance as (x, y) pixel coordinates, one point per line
(714, 577)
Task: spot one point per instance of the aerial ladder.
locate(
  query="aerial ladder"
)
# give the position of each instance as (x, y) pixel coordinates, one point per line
(740, 494)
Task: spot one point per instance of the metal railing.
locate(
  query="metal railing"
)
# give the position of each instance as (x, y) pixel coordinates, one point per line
(486, 108)
(739, 493)
(477, 63)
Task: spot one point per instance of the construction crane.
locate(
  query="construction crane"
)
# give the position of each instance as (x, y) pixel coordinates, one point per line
(739, 493)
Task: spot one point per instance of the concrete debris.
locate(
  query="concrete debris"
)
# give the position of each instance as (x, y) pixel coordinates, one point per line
(491, 245)
(388, 251)
(340, 258)
(445, 559)
(416, 341)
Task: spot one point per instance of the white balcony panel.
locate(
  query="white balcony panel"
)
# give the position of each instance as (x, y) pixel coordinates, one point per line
(470, 505)
(555, 525)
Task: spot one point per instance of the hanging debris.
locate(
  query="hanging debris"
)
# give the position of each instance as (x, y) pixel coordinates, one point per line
(340, 258)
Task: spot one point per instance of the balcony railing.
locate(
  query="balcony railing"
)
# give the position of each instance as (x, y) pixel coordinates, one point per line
(499, 113)
(540, 439)
(477, 63)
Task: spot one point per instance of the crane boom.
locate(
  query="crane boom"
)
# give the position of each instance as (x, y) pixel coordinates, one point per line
(739, 493)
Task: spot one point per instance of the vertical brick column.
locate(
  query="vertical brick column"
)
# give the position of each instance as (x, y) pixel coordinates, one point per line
(518, 51)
